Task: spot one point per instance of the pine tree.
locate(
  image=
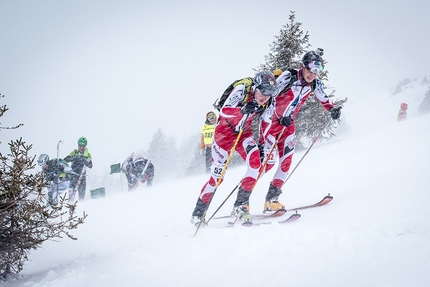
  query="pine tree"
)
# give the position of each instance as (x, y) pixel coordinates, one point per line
(162, 151)
(25, 220)
(287, 48)
(286, 52)
(424, 107)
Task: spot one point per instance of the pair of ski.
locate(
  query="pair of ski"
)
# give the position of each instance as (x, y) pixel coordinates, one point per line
(260, 218)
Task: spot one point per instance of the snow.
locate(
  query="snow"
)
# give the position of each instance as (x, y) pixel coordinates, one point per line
(376, 231)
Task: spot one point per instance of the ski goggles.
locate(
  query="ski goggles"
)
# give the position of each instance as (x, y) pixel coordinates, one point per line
(316, 67)
(212, 117)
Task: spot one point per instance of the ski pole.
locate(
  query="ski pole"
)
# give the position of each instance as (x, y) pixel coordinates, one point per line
(78, 183)
(307, 151)
(262, 168)
(57, 163)
(225, 200)
(222, 172)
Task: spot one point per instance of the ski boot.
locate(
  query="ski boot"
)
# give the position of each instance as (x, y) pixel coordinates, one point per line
(272, 204)
(242, 213)
(195, 220)
(198, 212)
(241, 207)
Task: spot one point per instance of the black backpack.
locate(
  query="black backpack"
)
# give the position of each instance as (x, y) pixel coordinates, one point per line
(219, 103)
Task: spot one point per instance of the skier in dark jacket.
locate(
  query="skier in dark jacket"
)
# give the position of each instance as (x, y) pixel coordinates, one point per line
(57, 174)
(137, 169)
(80, 159)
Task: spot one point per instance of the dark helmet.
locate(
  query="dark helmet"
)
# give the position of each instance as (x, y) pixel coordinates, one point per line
(265, 82)
(82, 141)
(313, 61)
(43, 159)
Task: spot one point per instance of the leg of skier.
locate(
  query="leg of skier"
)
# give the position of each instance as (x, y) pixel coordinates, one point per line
(219, 155)
(248, 150)
(285, 152)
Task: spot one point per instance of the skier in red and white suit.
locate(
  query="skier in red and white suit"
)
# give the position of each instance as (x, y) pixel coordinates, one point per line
(234, 115)
(287, 104)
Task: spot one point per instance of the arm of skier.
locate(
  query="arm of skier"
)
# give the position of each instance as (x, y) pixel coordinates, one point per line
(322, 96)
(231, 111)
(326, 102)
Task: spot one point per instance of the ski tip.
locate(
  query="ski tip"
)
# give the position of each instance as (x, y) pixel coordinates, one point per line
(294, 217)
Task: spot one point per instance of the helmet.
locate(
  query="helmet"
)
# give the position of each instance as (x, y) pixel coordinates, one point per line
(210, 115)
(265, 82)
(277, 73)
(313, 61)
(43, 159)
(404, 106)
(82, 141)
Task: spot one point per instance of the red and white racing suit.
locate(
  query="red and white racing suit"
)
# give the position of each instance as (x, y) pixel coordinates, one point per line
(288, 103)
(227, 129)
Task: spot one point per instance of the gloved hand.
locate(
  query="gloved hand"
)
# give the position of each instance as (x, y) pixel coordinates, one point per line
(286, 121)
(60, 167)
(202, 152)
(335, 113)
(249, 108)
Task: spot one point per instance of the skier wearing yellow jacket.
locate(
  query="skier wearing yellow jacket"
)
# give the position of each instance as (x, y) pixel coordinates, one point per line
(207, 138)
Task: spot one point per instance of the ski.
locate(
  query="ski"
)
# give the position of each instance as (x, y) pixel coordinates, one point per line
(326, 199)
(291, 218)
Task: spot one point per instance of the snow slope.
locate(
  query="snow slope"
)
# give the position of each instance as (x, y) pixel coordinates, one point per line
(376, 231)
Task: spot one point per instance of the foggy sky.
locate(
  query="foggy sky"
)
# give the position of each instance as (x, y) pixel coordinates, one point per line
(116, 71)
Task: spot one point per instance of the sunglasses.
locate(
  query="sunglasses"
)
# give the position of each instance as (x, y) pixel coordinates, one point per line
(316, 67)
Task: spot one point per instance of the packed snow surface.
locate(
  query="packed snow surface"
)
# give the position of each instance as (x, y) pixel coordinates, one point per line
(376, 231)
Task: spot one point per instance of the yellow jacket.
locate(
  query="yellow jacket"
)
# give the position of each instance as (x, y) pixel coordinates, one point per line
(207, 135)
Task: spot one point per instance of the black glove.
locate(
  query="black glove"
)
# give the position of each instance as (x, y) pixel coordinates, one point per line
(249, 108)
(335, 113)
(60, 167)
(286, 121)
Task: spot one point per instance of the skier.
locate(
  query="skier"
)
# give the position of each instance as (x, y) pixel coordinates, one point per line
(207, 138)
(80, 159)
(57, 173)
(293, 92)
(402, 112)
(137, 169)
(237, 113)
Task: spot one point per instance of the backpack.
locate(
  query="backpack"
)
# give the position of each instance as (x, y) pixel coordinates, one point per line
(219, 103)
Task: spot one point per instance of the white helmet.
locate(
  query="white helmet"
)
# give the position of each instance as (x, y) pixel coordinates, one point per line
(43, 159)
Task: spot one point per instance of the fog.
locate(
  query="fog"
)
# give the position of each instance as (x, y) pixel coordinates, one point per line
(116, 71)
